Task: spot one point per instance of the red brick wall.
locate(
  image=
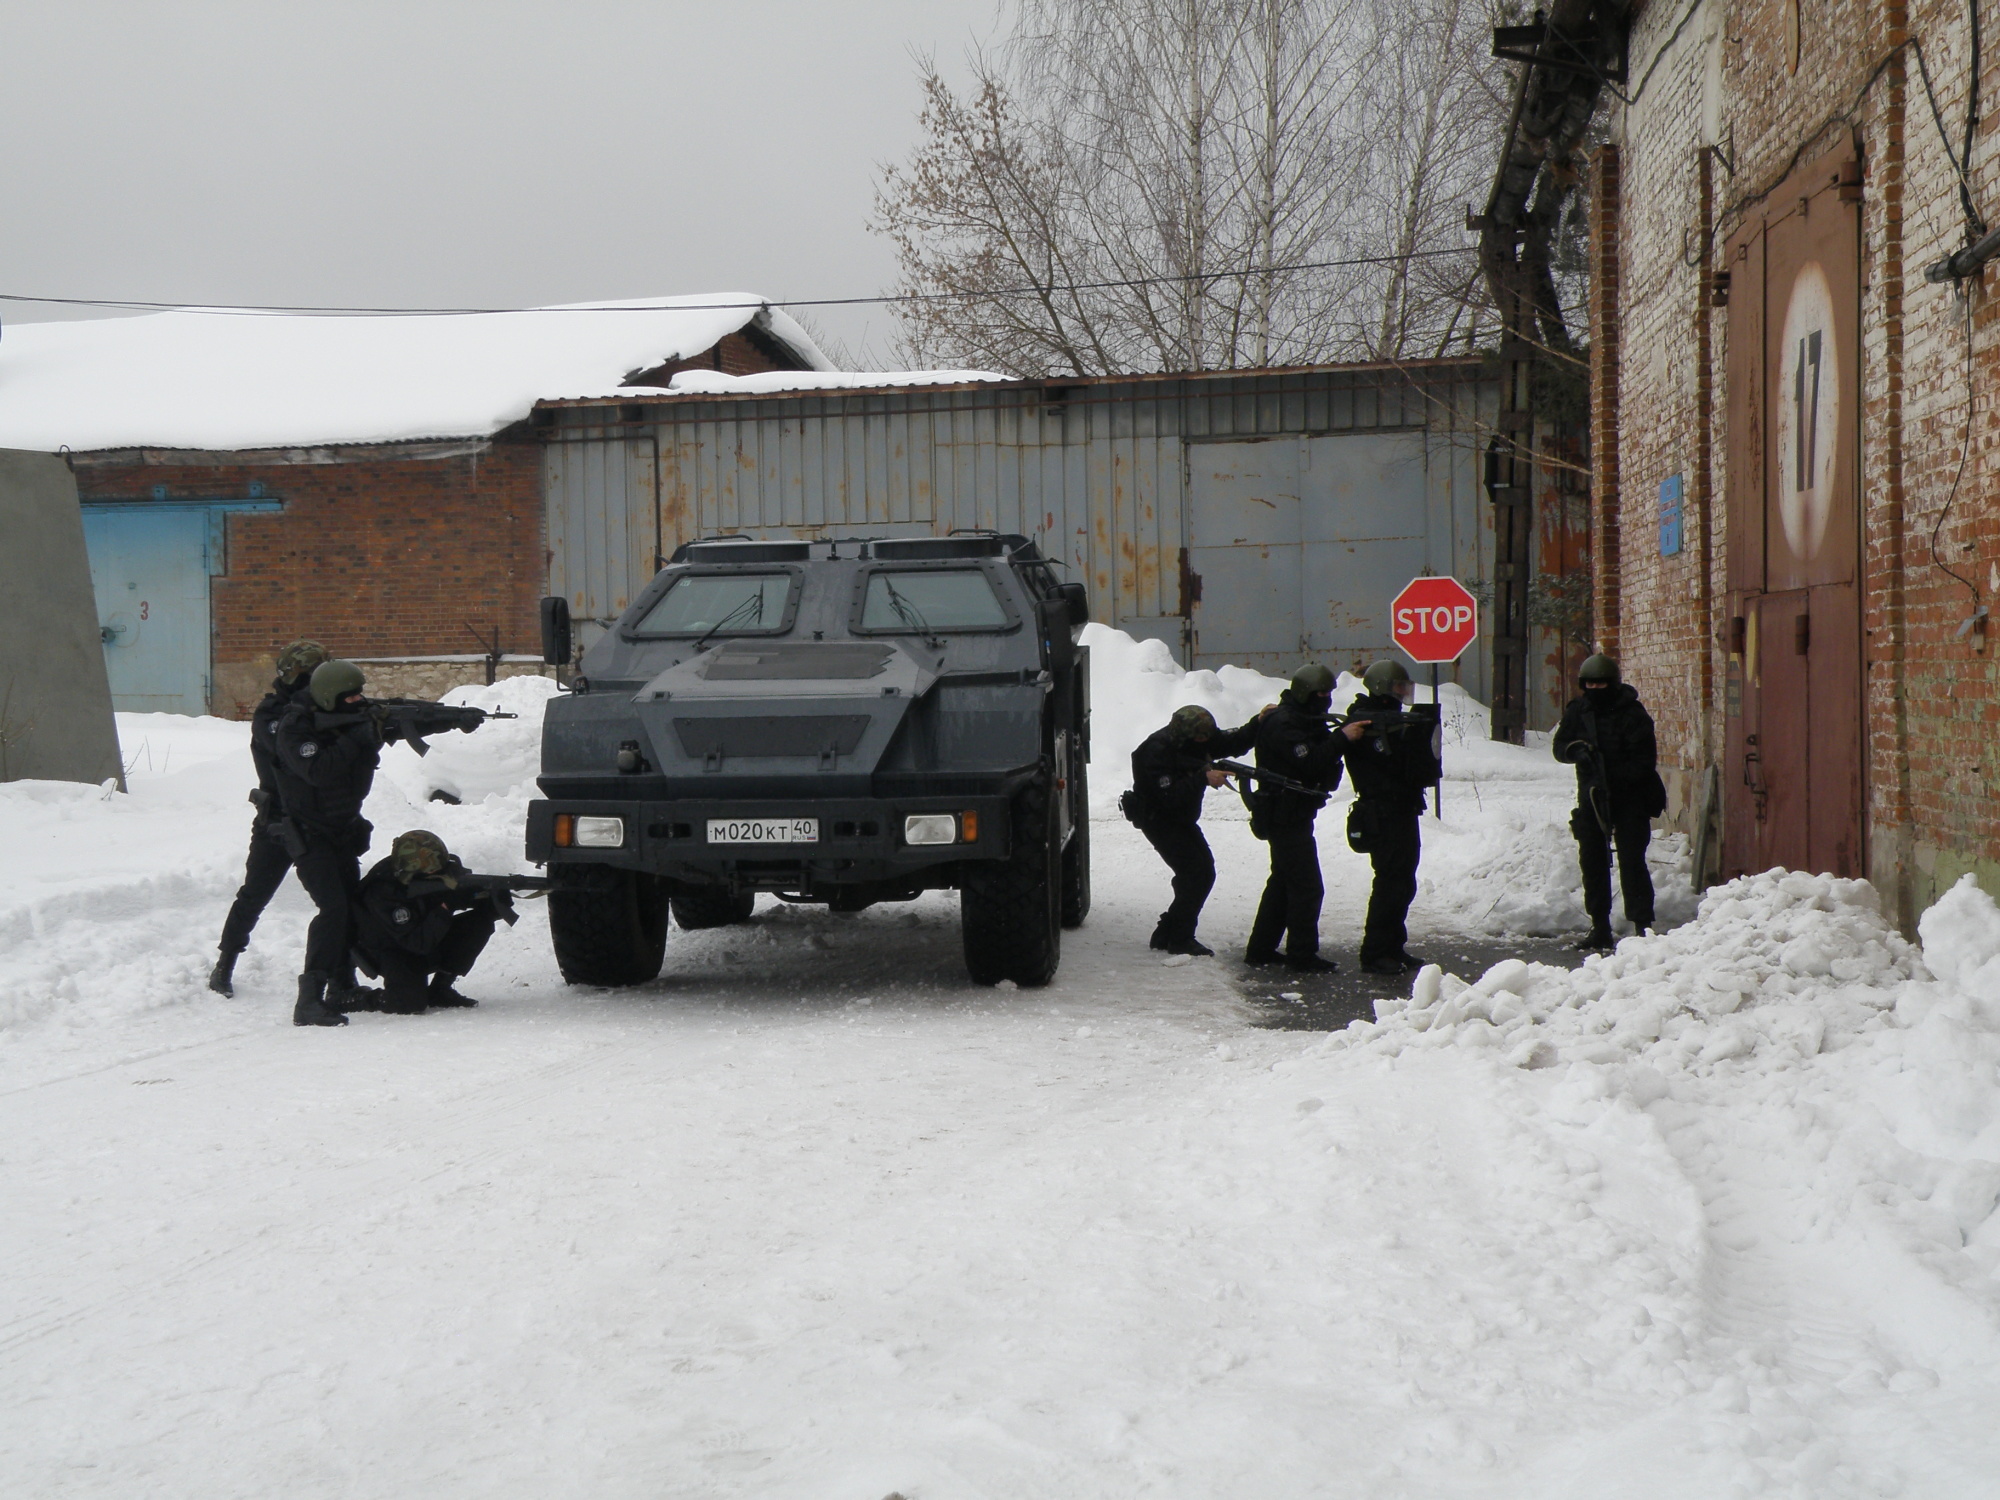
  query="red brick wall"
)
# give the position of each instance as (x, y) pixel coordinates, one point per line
(374, 558)
(1732, 80)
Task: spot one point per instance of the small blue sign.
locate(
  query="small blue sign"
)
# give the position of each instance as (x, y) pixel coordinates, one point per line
(1670, 515)
(1670, 492)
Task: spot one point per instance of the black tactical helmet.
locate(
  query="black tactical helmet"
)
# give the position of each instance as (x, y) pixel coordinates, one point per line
(1312, 680)
(418, 852)
(1599, 668)
(1380, 679)
(334, 680)
(1190, 722)
(299, 658)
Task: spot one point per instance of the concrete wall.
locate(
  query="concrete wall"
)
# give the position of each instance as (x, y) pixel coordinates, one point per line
(55, 705)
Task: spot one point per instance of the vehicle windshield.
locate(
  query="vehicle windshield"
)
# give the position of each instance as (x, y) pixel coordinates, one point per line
(921, 602)
(699, 604)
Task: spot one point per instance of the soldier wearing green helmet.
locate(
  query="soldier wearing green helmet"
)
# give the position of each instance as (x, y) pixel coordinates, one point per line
(1172, 771)
(324, 774)
(418, 927)
(264, 869)
(1392, 756)
(1607, 735)
(1294, 742)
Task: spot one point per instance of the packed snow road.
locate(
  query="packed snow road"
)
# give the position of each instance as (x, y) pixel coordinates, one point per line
(813, 1216)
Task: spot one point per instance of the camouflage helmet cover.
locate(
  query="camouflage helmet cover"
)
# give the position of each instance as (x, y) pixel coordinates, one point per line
(334, 680)
(1191, 722)
(1312, 680)
(418, 852)
(1381, 678)
(1598, 668)
(299, 658)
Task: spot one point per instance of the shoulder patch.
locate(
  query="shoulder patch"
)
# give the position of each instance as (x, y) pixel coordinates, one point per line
(400, 914)
(309, 749)
(1300, 751)
(1166, 781)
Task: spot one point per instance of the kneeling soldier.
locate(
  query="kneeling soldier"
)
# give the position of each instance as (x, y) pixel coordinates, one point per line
(1171, 774)
(418, 928)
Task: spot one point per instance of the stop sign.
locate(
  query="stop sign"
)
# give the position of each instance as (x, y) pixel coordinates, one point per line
(1433, 619)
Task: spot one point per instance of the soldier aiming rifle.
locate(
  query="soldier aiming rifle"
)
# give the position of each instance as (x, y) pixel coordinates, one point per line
(410, 719)
(422, 919)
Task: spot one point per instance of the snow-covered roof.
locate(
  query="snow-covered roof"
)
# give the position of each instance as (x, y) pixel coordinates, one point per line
(213, 381)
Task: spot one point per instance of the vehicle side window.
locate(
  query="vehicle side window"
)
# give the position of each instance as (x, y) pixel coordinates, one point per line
(736, 603)
(951, 599)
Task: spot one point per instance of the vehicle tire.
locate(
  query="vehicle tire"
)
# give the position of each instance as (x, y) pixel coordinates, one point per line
(713, 909)
(1010, 911)
(609, 927)
(1076, 857)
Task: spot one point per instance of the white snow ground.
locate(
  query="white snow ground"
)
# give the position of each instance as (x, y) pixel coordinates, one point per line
(812, 1216)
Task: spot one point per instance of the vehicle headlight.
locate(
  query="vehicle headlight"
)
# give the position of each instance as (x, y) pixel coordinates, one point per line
(600, 833)
(930, 828)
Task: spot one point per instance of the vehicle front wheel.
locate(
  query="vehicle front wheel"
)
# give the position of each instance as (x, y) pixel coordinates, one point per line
(1010, 911)
(713, 909)
(609, 926)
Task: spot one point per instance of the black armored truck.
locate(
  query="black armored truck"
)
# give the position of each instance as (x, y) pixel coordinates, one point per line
(842, 722)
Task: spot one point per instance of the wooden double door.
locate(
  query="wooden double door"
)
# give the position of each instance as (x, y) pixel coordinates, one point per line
(1793, 775)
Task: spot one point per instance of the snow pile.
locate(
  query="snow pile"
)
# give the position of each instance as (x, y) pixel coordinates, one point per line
(195, 380)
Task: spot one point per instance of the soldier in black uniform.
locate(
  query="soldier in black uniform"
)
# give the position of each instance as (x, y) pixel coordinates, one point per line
(1608, 735)
(1293, 741)
(264, 870)
(418, 929)
(1392, 758)
(1171, 775)
(324, 774)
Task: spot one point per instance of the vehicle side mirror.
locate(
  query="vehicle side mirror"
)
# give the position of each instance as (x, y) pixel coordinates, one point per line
(1079, 604)
(1058, 641)
(555, 631)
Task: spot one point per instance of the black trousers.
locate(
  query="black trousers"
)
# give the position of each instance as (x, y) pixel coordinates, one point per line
(1289, 910)
(406, 975)
(263, 873)
(331, 874)
(1395, 847)
(1630, 833)
(1186, 851)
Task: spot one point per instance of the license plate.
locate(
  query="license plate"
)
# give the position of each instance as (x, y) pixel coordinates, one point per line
(763, 830)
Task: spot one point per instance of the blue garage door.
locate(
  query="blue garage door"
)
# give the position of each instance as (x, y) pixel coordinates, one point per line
(150, 571)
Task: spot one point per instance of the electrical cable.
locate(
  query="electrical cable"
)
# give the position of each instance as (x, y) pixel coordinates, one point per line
(223, 309)
(1965, 447)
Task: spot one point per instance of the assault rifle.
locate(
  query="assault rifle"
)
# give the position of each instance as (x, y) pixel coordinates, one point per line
(499, 889)
(1243, 772)
(1582, 752)
(410, 718)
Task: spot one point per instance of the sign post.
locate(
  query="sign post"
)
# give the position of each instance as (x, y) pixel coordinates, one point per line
(1433, 620)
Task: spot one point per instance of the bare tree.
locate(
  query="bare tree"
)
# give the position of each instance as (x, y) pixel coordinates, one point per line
(1161, 184)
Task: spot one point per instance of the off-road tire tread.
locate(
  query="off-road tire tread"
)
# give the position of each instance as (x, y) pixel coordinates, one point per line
(605, 936)
(1008, 911)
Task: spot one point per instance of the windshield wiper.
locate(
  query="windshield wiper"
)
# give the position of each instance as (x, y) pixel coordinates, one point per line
(907, 612)
(755, 601)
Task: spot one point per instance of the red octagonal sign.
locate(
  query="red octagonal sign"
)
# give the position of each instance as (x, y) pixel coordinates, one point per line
(1434, 619)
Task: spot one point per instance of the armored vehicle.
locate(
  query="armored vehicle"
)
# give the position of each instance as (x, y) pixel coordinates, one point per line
(843, 722)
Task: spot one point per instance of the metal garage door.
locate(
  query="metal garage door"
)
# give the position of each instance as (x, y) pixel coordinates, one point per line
(149, 570)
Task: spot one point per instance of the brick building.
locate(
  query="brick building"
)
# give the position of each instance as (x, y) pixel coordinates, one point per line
(1793, 482)
(370, 482)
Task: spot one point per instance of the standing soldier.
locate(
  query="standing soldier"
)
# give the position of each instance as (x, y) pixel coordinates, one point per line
(1293, 741)
(324, 774)
(419, 928)
(1171, 774)
(1392, 757)
(264, 870)
(1608, 735)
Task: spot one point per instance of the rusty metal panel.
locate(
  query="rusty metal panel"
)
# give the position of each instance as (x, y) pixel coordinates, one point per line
(1834, 700)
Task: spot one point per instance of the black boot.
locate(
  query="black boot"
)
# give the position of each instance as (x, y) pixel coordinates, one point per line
(1597, 940)
(224, 971)
(351, 997)
(312, 1009)
(442, 995)
(1310, 963)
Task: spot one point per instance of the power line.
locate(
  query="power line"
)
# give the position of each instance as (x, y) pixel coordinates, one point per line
(296, 311)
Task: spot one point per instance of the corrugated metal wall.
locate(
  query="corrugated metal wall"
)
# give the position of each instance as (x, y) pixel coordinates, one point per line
(1097, 471)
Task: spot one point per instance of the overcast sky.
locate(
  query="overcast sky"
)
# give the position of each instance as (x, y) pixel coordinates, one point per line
(459, 152)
